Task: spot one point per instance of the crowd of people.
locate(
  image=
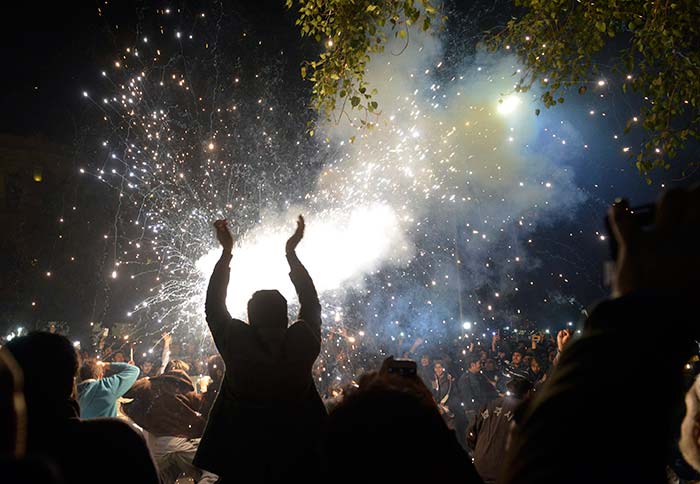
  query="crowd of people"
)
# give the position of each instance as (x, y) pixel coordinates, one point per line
(565, 407)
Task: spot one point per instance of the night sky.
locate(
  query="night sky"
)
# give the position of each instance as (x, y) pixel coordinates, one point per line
(73, 252)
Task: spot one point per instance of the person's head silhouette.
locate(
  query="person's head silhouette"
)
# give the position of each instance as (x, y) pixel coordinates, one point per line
(50, 365)
(268, 309)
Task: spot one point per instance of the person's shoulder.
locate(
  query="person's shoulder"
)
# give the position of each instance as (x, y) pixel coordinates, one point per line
(107, 423)
(85, 386)
(117, 432)
(143, 382)
(300, 328)
(90, 439)
(238, 325)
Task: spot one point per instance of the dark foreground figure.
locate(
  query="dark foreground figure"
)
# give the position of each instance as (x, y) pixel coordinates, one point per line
(600, 418)
(103, 450)
(390, 430)
(266, 422)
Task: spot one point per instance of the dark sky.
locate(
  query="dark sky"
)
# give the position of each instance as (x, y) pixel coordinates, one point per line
(47, 50)
(52, 51)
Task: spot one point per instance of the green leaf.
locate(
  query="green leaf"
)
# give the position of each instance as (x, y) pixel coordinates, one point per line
(354, 101)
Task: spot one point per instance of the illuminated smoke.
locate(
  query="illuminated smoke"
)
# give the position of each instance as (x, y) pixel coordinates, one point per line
(449, 185)
(338, 249)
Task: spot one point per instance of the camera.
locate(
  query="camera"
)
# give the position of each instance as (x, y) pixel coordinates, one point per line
(401, 367)
(644, 215)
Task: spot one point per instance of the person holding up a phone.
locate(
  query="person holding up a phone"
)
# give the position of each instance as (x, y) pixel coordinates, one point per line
(593, 406)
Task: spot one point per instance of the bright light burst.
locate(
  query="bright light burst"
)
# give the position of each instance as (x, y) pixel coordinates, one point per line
(509, 104)
(339, 247)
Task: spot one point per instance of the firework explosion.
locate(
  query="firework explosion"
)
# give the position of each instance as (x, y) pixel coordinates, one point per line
(419, 227)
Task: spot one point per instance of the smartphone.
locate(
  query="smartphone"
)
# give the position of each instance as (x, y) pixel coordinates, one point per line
(644, 215)
(402, 368)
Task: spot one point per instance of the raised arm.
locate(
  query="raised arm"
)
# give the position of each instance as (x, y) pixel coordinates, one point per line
(563, 338)
(165, 356)
(309, 305)
(120, 383)
(101, 342)
(215, 308)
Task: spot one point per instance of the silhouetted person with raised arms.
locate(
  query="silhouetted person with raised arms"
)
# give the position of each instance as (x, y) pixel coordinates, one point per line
(266, 421)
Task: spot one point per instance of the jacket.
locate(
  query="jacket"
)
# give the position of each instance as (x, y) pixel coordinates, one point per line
(476, 391)
(166, 405)
(98, 398)
(488, 435)
(266, 421)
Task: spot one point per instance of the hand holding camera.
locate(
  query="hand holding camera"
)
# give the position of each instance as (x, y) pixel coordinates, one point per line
(658, 255)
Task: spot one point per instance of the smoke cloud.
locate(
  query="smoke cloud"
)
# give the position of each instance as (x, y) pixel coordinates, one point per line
(440, 196)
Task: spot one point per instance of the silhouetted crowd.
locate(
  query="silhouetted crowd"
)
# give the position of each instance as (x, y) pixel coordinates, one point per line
(616, 401)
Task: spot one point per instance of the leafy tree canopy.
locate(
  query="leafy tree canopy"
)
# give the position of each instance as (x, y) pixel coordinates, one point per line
(651, 46)
(351, 31)
(566, 43)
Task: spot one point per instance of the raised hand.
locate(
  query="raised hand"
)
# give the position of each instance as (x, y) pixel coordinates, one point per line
(223, 234)
(563, 337)
(664, 257)
(296, 237)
